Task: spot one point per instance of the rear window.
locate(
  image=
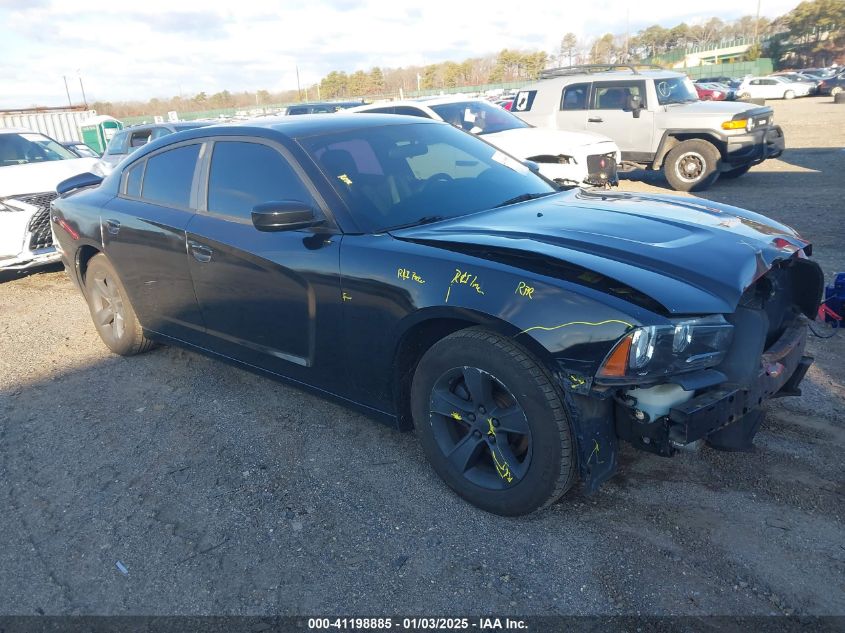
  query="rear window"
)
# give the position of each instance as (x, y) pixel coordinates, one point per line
(118, 144)
(574, 97)
(169, 176)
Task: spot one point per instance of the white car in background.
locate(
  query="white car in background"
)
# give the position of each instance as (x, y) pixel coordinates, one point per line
(31, 165)
(568, 158)
(772, 87)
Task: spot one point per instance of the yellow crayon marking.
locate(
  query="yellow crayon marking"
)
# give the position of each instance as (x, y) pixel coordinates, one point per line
(590, 323)
(404, 273)
(595, 452)
(345, 179)
(464, 278)
(524, 290)
(502, 467)
(576, 380)
(456, 415)
(346, 297)
(448, 290)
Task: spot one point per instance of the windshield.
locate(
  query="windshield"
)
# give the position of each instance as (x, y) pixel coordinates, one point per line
(400, 175)
(675, 90)
(478, 117)
(30, 147)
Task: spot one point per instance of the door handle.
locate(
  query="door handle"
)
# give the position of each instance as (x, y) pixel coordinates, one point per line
(595, 119)
(201, 252)
(113, 226)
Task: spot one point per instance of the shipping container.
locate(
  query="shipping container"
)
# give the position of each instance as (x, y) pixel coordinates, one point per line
(62, 125)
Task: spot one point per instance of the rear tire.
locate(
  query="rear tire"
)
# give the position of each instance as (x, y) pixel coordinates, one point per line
(735, 173)
(492, 423)
(835, 91)
(111, 310)
(692, 165)
(789, 94)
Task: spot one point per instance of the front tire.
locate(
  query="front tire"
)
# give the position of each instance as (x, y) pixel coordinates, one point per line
(789, 94)
(492, 423)
(835, 91)
(111, 310)
(692, 165)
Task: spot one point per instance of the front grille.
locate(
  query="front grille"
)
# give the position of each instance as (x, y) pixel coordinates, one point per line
(39, 225)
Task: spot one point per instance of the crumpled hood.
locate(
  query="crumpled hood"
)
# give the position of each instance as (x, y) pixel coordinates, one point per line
(529, 141)
(40, 177)
(693, 256)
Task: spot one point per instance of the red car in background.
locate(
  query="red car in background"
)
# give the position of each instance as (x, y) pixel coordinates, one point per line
(710, 92)
(505, 103)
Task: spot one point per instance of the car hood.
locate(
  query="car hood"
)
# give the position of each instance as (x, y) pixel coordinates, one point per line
(529, 141)
(692, 256)
(40, 177)
(722, 108)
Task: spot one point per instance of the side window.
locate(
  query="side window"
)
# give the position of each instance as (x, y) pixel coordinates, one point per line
(523, 101)
(297, 110)
(445, 159)
(754, 82)
(118, 144)
(132, 188)
(169, 176)
(384, 110)
(246, 174)
(159, 132)
(140, 138)
(410, 111)
(574, 97)
(615, 96)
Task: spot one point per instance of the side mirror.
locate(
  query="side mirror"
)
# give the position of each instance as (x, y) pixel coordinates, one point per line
(285, 215)
(635, 105)
(79, 181)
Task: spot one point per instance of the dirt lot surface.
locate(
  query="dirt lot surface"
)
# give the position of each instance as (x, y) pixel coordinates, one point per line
(222, 492)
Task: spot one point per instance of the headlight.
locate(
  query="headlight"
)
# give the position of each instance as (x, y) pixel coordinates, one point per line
(659, 350)
(739, 124)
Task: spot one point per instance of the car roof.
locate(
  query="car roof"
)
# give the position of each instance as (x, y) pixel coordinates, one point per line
(613, 75)
(290, 128)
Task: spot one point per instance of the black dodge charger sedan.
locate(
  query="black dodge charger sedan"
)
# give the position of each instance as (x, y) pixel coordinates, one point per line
(419, 274)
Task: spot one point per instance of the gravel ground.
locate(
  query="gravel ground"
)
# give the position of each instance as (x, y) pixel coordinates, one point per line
(222, 492)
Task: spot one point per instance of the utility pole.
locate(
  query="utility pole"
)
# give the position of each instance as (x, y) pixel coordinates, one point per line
(69, 102)
(757, 22)
(298, 89)
(627, 35)
(82, 88)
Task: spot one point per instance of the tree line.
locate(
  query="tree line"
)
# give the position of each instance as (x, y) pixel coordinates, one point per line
(811, 34)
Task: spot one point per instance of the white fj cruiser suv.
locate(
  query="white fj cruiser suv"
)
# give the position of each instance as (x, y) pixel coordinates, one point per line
(657, 120)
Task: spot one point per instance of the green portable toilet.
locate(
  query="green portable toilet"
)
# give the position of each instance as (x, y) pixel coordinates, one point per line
(99, 130)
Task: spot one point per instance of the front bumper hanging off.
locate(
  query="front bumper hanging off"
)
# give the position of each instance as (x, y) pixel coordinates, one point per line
(727, 416)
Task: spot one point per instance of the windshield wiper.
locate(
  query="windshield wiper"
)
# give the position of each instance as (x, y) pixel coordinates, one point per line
(525, 197)
(426, 219)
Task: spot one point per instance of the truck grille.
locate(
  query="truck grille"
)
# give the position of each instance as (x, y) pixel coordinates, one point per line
(39, 226)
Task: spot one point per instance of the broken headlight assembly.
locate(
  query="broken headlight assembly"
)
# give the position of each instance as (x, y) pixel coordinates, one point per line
(661, 350)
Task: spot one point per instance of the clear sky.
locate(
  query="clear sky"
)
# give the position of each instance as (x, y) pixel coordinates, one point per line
(148, 48)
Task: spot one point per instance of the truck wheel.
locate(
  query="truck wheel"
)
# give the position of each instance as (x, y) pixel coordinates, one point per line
(835, 91)
(735, 173)
(692, 165)
(492, 423)
(111, 310)
(789, 94)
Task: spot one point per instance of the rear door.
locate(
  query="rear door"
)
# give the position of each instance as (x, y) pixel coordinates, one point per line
(609, 114)
(270, 299)
(143, 231)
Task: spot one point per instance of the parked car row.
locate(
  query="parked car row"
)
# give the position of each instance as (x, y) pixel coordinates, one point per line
(780, 85)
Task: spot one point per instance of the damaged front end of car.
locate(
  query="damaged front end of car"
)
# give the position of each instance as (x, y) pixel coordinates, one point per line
(698, 379)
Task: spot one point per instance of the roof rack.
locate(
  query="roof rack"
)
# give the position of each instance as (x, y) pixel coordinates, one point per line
(596, 68)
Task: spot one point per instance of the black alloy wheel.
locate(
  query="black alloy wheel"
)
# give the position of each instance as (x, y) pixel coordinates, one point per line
(480, 428)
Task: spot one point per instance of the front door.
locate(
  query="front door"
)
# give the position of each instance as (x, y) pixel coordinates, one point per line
(609, 113)
(270, 299)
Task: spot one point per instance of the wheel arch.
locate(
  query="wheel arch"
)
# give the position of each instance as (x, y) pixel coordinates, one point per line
(672, 138)
(423, 329)
(84, 254)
